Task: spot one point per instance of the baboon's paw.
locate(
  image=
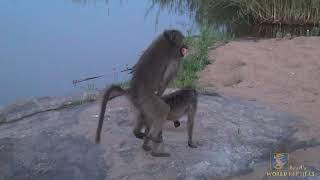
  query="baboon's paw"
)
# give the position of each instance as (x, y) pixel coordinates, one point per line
(97, 140)
(146, 147)
(192, 145)
(139, 135)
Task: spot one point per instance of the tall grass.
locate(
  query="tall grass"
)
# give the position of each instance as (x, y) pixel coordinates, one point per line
(289, 12)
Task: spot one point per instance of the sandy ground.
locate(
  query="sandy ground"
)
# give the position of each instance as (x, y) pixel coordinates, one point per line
(283, 73)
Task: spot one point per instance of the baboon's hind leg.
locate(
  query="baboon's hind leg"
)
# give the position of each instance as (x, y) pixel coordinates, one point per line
(156, 112)
(146, 140)
(191, 115)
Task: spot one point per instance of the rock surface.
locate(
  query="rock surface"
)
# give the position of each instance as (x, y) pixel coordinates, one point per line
(35, 105)
(232, 136)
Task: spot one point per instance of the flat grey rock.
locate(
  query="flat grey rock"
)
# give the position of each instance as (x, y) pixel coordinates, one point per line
(232, 136)
(33, 105)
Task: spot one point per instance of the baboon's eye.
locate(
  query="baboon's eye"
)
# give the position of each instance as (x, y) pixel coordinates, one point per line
(173, 38)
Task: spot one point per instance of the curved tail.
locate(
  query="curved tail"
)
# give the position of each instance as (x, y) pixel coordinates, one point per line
(110, 93)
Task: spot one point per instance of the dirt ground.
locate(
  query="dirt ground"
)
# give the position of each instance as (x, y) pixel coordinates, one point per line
(282, 73)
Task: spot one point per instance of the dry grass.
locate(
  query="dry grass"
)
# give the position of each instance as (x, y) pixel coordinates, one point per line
(290, 12)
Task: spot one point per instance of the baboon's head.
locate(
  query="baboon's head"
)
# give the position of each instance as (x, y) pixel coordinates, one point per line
(176, 39)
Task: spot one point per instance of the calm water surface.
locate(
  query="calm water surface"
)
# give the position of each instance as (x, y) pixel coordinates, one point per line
(45, 44)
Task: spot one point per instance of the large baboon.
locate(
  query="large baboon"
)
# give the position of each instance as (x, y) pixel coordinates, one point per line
(157, 66)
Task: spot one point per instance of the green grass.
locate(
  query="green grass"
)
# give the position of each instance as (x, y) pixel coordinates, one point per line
(289, 12)
(198, 58)
(286, 12)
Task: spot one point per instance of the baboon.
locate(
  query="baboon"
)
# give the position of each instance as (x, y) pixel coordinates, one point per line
(182, 102)
(157, 66)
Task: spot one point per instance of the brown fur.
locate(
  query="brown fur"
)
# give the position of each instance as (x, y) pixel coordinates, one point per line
(157, 66)
(182, 102)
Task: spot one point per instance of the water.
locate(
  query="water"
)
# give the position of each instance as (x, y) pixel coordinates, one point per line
(45, 44)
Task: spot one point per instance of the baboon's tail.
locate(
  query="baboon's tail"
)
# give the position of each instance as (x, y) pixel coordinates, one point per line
(110, 93)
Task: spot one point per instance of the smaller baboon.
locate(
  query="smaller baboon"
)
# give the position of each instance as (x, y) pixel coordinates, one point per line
(182, 102)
